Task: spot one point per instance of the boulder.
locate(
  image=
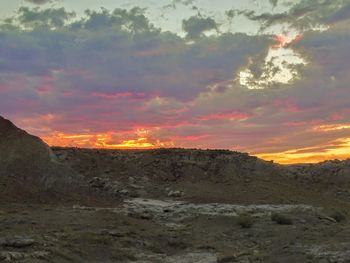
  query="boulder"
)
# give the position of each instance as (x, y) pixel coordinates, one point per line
(16, 242)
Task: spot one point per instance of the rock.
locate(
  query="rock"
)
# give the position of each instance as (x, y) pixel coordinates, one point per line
(97, 182)
(116, 233)
(328, 218)
(175, 194)
(40, 254)
(226, 259)
(138, 187)
(146, 216)
(124, 192)
(167, 210)
(171, 211)
(132, 180)
(86, 208)
(11, 256)
(176, 243)
(15, 256)
(17, 242)
(134, 194)
(108, 171)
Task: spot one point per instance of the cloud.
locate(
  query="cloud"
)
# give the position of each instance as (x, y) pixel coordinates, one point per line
(132, 20)
(196, 26)
(114, 67)
(39, 2)
(120, 51)
(303, 15)
(273, 2)
(38, 18)
(175, 3)
(342, 14)
(115, 77)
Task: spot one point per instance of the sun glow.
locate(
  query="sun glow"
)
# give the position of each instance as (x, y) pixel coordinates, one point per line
(332, 127)
(106, 140)
(338, 149)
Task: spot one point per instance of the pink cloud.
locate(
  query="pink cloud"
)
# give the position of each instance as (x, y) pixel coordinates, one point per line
(117, 95)
(294, 123)
(287, 105)
(224, 116)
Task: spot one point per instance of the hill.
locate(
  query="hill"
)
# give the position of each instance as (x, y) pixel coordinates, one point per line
(28, 166)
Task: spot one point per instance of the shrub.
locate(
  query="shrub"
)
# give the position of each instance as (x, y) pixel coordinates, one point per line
(245, 221)
(338, 216)
(281, 219)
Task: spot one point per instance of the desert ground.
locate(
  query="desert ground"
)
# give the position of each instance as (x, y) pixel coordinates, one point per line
(167, 205)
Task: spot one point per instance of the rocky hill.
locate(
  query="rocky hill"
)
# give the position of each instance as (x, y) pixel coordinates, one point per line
(333, 171)
(165, 164)
(334, 175)
(28, 165)
(203, 174)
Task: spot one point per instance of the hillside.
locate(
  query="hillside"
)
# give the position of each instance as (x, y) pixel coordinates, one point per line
(28, 167)
(166, 205)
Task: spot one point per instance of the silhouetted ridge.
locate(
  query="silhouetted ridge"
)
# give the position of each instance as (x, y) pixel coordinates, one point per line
(27, 163)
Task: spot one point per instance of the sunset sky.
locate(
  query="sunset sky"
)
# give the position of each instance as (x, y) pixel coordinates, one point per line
(268, 77)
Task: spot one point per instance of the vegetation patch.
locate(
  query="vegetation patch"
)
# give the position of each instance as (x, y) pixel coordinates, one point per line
(245, 221)
(281, 219)
(338, 216)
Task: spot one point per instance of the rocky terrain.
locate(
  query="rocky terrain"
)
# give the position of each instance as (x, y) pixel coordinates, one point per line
(167, 205)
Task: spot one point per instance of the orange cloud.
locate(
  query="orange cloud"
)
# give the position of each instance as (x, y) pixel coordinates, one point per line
(332, 127)
(105, 140)
(338, 149)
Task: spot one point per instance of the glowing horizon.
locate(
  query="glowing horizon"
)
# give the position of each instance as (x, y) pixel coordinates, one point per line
(294, 156)
(287, 157)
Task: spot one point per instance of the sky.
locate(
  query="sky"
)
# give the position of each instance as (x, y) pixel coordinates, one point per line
(267, 77)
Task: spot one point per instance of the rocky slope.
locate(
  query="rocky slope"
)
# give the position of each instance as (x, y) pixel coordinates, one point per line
(334, 171)
(28, 165)
(166, 164)
(204, 174)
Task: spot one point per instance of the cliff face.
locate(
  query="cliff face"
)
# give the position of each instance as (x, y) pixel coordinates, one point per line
(28, 163)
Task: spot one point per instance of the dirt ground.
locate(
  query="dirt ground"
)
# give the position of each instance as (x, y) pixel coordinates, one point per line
(137, 212)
